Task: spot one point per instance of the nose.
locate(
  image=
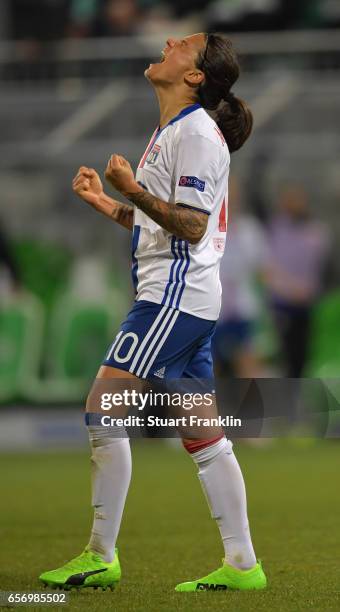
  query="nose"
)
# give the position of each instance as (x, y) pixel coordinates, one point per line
(171, 42)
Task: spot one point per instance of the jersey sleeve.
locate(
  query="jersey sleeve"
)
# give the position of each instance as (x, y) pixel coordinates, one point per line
(196, 172)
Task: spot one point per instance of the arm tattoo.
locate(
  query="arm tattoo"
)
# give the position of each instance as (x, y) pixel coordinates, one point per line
(123, 214)
(119, 212)
(184, 223)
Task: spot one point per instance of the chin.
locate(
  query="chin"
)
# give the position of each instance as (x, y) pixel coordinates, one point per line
(149, 73)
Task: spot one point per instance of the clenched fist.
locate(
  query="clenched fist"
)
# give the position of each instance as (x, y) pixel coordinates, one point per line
(120, 174)
(88, 186)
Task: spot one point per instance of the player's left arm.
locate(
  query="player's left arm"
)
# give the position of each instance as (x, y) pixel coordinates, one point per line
(183, 222)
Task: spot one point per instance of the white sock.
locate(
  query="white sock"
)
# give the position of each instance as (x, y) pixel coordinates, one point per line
(222, 482)
(111, 475)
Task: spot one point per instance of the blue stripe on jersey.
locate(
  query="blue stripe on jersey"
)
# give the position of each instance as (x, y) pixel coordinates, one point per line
(170, 281)
(206, 212)
(176, 287)
(181, 114)
(134, 269)
(178, 270)
(184, 112)
(187, 256)
(157, 133)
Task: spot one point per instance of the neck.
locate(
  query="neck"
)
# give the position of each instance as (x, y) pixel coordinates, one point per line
(171, 102)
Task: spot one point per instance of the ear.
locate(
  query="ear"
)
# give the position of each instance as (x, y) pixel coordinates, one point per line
(194, 78)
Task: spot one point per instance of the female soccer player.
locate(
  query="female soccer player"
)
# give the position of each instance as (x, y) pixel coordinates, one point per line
(178, 219)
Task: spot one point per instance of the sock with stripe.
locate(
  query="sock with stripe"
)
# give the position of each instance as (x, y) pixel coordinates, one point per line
(222, 482)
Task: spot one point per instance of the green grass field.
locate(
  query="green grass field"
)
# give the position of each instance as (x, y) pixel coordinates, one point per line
(167, 534)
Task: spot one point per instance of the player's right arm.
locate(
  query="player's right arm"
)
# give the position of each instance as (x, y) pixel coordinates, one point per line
(88, 186)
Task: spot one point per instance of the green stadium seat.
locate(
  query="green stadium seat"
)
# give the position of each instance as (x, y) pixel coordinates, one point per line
(81, 332)
(324, 353)
(21, 333)
(44, 268)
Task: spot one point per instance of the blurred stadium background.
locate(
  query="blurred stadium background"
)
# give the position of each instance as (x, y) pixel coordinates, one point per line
(73, 92)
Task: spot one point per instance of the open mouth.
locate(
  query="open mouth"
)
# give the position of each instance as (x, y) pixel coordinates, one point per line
(161, 60)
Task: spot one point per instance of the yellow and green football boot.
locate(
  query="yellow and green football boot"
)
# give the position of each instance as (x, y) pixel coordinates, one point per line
(227, 578)
(87, 570)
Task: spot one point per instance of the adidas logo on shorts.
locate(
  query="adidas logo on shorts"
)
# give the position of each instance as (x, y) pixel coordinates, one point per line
(160, 373)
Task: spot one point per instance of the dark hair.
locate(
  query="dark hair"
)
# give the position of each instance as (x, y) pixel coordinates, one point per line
(221, 70)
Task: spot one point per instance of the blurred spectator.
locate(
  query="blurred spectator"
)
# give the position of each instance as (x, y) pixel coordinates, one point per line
(45, 20)
(243, 262)
(114, 17)
(299, 250)
(82, 16)
(104, 17)
(120, 18)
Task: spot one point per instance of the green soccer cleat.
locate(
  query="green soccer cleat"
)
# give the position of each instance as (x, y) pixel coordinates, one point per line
(227, 578)
(87, 570)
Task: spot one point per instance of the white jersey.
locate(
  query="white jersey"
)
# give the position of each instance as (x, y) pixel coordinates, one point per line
(186, 162)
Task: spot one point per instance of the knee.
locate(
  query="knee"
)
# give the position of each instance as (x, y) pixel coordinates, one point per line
(193, 446)
(103, 436)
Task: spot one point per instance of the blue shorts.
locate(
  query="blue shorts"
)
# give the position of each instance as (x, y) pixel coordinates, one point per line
(160, 342)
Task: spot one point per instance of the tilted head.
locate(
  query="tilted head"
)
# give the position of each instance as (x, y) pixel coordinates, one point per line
(205, 67)
(178, 63)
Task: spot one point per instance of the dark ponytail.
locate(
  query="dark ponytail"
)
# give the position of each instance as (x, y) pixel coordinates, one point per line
(221, 70)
